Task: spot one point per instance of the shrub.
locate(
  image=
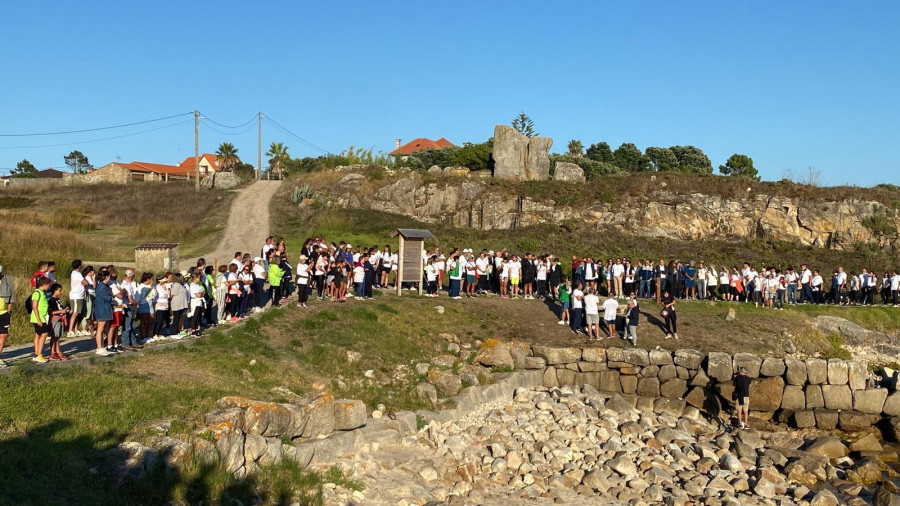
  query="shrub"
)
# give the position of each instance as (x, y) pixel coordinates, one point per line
(879, 223)
(592, 168)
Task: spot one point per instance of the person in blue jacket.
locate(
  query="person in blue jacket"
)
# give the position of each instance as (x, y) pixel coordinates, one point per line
(103, 311)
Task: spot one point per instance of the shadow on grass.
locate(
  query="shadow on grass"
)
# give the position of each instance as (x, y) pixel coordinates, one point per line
(40, 466)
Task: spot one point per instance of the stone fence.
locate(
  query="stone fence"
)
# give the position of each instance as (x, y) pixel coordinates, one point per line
(814, 392)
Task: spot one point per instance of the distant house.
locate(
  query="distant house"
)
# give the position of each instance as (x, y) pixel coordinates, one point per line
(420, 144)
(208, 164)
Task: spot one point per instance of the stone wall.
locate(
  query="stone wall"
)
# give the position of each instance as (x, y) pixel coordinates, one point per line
(31, 182)
(813, 392)
(110, 173)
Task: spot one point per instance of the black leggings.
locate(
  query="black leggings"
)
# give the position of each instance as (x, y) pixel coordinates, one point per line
(178, 319)
(196, 318)
(234, 305)
(160, 322)
(672, 322)
(302, 293)
(320, 285)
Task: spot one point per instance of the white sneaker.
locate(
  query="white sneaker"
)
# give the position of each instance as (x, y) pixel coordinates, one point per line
(561, 322)
(102, 352)
(70, 334)
(668, 336)
(676, 336)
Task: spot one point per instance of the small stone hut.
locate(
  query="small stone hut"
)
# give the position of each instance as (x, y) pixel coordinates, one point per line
(156, 256)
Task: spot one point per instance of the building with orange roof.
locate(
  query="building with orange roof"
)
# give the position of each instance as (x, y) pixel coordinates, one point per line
(420, 144)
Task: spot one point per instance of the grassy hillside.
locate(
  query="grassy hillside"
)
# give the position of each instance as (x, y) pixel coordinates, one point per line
(100, 224)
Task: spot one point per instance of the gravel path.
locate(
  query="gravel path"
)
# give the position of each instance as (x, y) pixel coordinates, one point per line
(248, 224)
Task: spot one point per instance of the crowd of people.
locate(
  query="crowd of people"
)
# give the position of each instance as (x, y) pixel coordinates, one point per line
(123, 312)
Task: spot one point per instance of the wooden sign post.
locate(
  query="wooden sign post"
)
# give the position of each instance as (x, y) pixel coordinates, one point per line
(409, 256)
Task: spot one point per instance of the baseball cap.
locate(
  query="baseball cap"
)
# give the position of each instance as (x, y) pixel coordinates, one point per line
(129, 272)
(257, 259)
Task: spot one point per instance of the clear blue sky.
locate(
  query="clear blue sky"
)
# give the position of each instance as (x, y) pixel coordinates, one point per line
(792, 84)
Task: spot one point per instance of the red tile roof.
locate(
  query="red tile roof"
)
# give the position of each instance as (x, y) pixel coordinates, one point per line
(156, 168)
(212, 159)
(420, 144)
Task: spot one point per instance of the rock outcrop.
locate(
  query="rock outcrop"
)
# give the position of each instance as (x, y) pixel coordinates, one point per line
(470, 201)
(520, 158)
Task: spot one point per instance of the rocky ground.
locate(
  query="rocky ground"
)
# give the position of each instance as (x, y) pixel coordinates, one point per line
(571, 446)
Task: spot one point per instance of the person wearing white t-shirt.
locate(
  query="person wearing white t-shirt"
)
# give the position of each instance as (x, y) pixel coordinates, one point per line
(76, 299)
(503, 269)
(481, 268)
(618, 272)
(515, 271)
(895, 288)
(815, 285)
(610, 311)
(440, 265)
(592, 314)
(840, 295)
(577, 307)
(806, 293)
(431, 278)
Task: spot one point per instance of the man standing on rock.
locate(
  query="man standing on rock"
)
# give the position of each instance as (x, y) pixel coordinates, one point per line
(741, 396)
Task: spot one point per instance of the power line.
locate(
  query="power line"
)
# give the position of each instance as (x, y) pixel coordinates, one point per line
(99, 140)
(205, 117)
(225, 133)
(96, 129)
(292, 134)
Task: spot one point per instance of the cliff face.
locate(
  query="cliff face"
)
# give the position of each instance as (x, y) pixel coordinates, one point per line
(474, 202)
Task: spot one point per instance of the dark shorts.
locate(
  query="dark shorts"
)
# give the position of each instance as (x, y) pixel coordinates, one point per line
(4, 322)
(41, 328)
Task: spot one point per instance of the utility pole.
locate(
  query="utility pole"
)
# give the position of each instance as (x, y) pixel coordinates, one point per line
(259, 148)
(197, 149)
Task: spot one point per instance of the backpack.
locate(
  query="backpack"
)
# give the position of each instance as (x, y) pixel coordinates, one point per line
(28, 306)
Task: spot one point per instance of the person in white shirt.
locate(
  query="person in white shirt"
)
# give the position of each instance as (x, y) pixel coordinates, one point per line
(303, 278)
(504, 278)
(592, 314)
(577, 307)
(455, 272)
(387, 259)
(895, 288)
(515, 271)
(815, 285)
(481, 269)
(806, 293)
(440, 264)
(610, 310)
(76, 299)
(840, 295)
(618, 273)
(431, 277)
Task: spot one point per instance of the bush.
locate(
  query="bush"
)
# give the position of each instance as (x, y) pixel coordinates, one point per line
(879, 223)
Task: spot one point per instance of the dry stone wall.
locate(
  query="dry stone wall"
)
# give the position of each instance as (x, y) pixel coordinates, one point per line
(813, 392)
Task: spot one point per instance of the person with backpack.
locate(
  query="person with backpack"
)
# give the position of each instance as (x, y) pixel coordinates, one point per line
(41, 272)
(58, 322)
(38, 306)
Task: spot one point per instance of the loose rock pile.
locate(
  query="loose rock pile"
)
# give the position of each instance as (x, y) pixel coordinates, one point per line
(574, 445)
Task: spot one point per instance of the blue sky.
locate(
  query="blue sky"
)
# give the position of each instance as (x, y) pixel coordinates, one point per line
(793, 84)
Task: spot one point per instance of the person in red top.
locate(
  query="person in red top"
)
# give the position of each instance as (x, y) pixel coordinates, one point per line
(40, 273)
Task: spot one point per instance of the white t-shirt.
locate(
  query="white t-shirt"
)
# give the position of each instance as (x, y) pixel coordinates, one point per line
(610, 307)
(515, 268)
(259, 271)
(394, 259)
(895, 282)
(359, 274)
(504, 271)
(806, 276)
(481, 264)
(576, 304)
(303, 273)
(590, 271)
(816, 282)
(591, 301)
(77, 290)
(542, 271)
(842, 278)
(617, 271)
(430, 273)
(130, 288)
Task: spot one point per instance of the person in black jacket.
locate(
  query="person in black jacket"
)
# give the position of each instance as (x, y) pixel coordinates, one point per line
(741, 396)
(631, 321)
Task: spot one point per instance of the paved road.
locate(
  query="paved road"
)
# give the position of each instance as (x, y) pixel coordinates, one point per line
(248, 224)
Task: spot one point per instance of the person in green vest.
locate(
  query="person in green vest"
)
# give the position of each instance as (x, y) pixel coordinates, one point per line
(274, 276)
(564, 290)
(40, 317)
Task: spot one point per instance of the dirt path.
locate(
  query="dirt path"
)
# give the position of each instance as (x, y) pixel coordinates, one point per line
(248, 224)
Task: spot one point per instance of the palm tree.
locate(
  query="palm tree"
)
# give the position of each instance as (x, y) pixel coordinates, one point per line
(227, 156)
(278, 157)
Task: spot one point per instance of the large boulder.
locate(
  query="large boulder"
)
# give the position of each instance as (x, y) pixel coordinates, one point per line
(718, 366)
(817, 371)
(857, 375)
(675, 388)
(855, 421)
(660, 357)
(637, 356)
(837, 397)
(766, 394)
(509, 151)
(689, 359)
(749, 361)
(793, 398)
(570, 172)
(518, 158)
(349, 414)
(221, 180)
(796, 371)
(828, 446)
(870, 400)
(537, 159)
(892, 405)
(772, 367)
(494, 352)
(557, 355)
(837, 372)
(814, 398)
